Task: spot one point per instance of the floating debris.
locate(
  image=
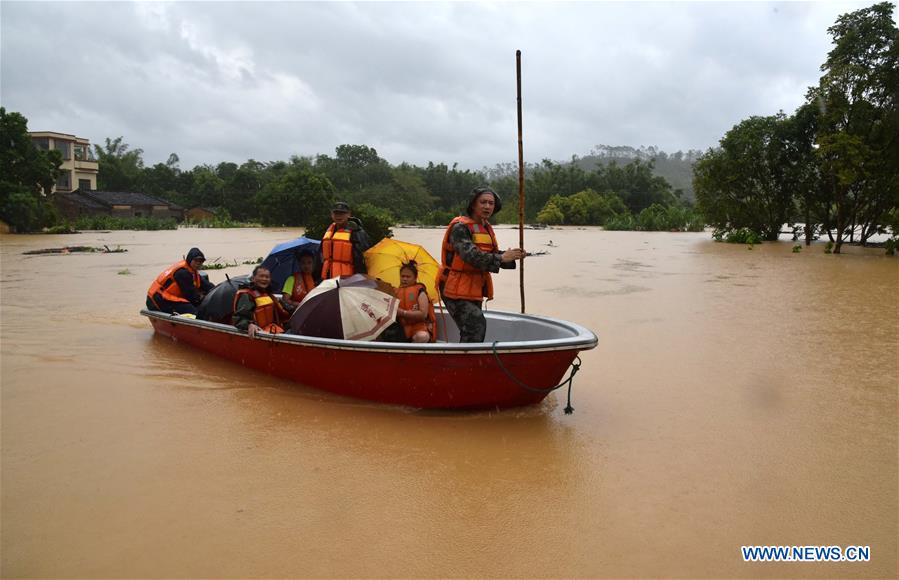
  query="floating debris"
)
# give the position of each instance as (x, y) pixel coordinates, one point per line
(78, 249)
(215, 264)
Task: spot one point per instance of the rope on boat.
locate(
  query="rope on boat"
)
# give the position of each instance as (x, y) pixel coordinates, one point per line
(575, 367)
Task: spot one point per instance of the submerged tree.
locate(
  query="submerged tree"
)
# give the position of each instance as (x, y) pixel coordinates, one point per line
(743, 183)
(858, 129)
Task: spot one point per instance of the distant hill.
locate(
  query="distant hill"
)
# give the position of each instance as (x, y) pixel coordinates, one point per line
(676, 168)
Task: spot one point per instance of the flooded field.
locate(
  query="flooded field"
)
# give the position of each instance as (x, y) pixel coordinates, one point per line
(736, 398)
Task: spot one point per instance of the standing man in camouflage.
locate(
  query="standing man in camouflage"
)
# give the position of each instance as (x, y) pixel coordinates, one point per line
(343, 244)
(468, 255)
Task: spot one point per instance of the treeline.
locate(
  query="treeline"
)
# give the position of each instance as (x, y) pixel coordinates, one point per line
(676, 168)
(617, 197)
(297, 192)
(833, 165)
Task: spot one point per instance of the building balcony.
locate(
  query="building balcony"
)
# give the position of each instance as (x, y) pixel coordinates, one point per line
(87, 165)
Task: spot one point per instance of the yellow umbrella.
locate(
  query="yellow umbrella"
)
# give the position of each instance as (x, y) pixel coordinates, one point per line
(385, 259)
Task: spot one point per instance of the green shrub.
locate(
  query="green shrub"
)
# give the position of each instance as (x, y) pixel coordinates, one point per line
(737, 236)
(26, 212)
(890, 246)
(621, 222)
(551, 214)
(106, 222)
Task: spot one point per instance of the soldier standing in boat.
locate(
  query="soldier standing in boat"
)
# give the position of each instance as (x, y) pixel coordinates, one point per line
(179, 289)
(343, 244)
(468, 255)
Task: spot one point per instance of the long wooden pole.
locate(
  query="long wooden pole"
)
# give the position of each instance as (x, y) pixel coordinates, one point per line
(520, 181)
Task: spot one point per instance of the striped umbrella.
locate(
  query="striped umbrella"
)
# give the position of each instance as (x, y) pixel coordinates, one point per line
(353, 307)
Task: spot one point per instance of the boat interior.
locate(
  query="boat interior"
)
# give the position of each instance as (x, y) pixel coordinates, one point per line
(505, 331)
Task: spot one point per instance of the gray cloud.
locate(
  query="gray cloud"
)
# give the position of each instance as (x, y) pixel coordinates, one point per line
(417, 81)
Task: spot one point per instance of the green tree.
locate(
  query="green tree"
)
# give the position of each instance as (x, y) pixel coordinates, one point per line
(405, 195)
(208, 188)
(241, 188)
(551, 178)
(450, 185)
(121, 168)
(585, 207)
(858, 130)
(295, 199)
(741, 184)
(161, 179)
(353, 168)
(636, 184)
(27, 175)
(551, 214)
(801, 169)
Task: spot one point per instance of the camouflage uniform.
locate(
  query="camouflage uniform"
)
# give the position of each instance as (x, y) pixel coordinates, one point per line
(467, 314)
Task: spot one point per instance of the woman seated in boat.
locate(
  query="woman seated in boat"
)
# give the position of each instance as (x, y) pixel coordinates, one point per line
(256, 308)
(301, 282)
(415, 313)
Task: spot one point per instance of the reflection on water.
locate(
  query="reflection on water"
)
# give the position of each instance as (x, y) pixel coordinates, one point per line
(735, 398)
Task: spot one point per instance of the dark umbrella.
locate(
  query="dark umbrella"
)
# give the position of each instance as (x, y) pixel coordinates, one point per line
(354, 308)
(284, 259)
(218, 305)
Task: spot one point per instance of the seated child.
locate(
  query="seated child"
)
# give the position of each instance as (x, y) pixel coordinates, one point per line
(416, 313)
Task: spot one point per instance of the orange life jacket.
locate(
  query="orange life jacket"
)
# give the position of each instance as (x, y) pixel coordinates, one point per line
(461, 280)
(269, 314)
(298, 285)
(408, 297)
(337, 252)
(166, 286)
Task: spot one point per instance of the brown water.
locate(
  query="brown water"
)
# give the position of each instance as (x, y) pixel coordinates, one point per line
(736, 398)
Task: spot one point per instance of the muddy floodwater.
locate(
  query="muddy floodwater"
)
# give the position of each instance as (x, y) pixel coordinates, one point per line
(737, 397)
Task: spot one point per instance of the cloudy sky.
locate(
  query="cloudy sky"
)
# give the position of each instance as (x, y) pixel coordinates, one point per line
(228, 81)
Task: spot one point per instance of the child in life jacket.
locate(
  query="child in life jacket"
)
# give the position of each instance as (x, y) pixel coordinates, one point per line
(415, 313)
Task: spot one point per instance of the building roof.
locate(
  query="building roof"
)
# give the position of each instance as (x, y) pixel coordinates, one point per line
(205, 208)
(125, 198)
(80, 199)
(59, 136)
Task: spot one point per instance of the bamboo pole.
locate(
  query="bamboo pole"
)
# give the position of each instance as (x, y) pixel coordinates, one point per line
(520, 181)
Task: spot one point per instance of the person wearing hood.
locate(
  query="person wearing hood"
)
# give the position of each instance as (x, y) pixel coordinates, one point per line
(343, 244)
(179, 289)
(468, 255)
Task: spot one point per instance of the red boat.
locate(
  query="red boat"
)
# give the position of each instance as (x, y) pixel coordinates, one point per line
(523, 359)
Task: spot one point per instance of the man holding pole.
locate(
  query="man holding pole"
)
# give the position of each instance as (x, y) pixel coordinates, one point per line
(468, 255)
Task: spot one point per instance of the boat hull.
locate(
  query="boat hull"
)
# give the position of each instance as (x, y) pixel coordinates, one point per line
(451, 378)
